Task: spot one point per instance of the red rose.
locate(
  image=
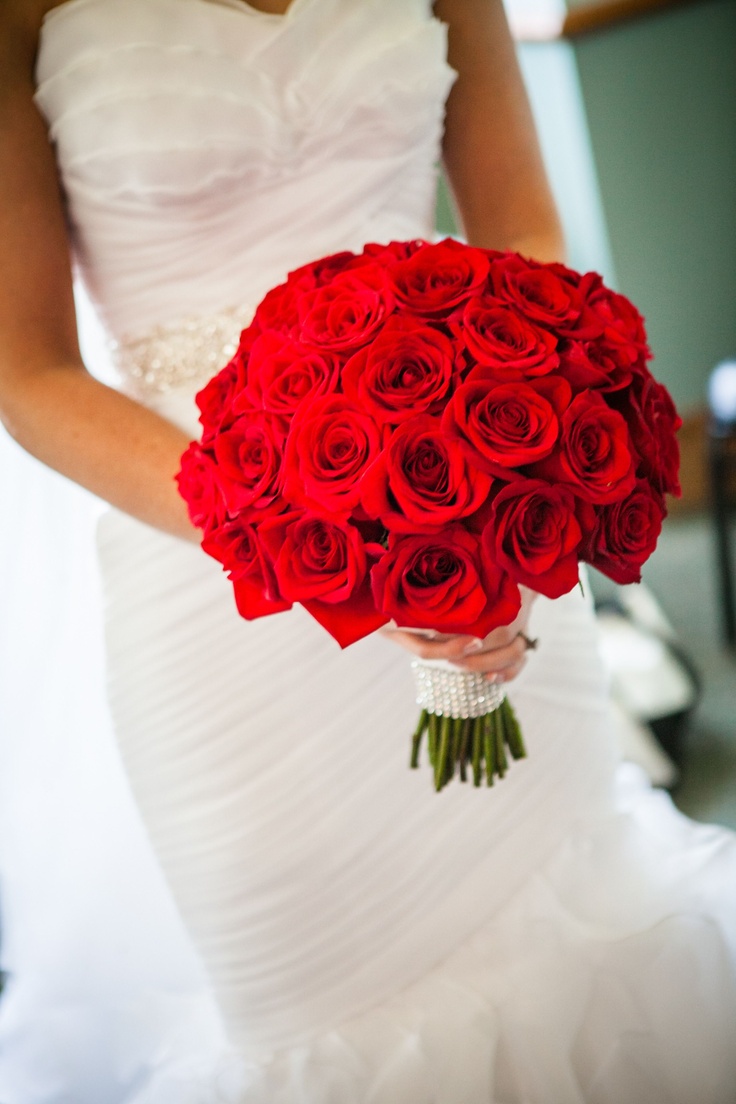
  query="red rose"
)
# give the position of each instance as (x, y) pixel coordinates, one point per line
(248, 456)
(534, 534)
(595, 365)
(500, 338)
(237, 547)
(323, 271)
(394, 251)
(346, 313)
(282, 373)
(323, 565)
(571, 275)
(653, 422)
(626, 534)
(443, 582)
(407, 369)
(543, 296)
(438, 278)
(278, 309)
(595, 451)
(621, 322)
(198, 486)
(422, 480)
(507, 425)
(314, 557)
(215, 400)
(222, 399)
(331, 443)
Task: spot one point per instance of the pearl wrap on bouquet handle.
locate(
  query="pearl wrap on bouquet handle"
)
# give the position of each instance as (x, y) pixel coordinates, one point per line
(444, 689)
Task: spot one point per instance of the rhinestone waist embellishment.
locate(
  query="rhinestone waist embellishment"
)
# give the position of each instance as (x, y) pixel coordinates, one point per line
(191, 350)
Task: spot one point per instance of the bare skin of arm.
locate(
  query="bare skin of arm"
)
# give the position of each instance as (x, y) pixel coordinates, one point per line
(495, 170)
(490, 150)
(49, 403)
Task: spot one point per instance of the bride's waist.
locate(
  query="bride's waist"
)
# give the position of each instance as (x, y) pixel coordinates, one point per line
(178, 358)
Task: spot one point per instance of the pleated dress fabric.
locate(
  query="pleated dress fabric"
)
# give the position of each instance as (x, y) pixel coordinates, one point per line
(563, 938)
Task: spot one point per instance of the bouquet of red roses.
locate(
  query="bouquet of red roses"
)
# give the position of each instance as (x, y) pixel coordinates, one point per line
(412, 432)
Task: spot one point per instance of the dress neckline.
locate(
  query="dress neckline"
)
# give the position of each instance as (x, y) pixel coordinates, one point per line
(250, 9)
(258, 11)
(234, 5)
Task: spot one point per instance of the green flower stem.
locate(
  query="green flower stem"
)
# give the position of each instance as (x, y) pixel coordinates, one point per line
(514, 738)
(450, 764)
(457, 731)
(463, 752)
(477, 743)
(477, 750)
(500, 716)
(488, 732)
(502, 764)
(440, 766)
(433, 729)
(416, 740)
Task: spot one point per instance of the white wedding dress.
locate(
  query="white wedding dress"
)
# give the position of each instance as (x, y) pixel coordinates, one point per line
(341, 934)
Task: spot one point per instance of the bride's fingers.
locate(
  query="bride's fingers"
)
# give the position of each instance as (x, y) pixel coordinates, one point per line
(437, 647)
(498, 660)
(467, 653)
(507, 674)
(502, 651)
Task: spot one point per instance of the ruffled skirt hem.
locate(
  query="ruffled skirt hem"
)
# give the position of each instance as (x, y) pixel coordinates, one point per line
(610, 976)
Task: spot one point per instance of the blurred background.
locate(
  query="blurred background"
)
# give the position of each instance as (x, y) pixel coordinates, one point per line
(635, 102)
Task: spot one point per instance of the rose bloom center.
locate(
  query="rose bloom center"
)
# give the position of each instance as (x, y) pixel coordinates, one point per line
(324, 551)
(513, 419)
(592, 445)
(431, 569)
(428, 466)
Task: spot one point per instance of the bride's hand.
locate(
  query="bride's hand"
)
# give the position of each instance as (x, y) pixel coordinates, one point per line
(500, 656)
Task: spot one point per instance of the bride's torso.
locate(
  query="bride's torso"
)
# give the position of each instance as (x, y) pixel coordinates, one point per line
(206, 147)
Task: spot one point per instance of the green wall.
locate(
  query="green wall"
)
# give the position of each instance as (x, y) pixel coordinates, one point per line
(660, 100)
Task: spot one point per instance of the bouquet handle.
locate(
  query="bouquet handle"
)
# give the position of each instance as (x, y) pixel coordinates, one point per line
(469, 723)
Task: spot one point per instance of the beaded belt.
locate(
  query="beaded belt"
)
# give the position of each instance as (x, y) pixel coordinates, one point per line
(189, 351)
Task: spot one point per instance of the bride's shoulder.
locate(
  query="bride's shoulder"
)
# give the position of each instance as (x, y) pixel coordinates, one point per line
(20, 22)
(469, 17)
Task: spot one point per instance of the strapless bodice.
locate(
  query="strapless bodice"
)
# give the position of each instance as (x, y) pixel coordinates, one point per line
(206, 149)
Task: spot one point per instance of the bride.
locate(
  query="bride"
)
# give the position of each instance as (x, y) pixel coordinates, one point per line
(304, 919)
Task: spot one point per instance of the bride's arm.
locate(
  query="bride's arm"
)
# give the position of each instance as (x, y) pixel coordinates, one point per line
(48, 402)
(495, 170)
(490, 149)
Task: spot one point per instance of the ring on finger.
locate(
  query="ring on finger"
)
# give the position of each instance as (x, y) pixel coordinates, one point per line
(530, 643)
